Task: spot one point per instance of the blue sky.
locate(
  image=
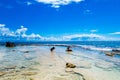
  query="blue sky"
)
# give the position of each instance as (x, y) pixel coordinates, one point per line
(60, 20)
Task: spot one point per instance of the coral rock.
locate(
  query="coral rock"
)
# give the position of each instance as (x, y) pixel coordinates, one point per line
(29, 73)
(70, 65)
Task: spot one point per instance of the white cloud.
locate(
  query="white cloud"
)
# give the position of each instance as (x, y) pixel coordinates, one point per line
(115, 33)
(58, 3)
(87, 36)
(22, 30)
(79, 37)
(5, 31)
(21, 34)
(32, 36)
(52, 39)
(76, 37)
(18, 34)
(94, 30)
(29, 3)
(2, 25)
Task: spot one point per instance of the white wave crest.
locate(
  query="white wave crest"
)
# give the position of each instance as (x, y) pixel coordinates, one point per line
(95, 48)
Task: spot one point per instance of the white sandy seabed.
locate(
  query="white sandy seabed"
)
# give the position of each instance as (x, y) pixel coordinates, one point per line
(38, 63)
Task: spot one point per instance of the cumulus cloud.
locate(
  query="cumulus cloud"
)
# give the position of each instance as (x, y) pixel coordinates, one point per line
(58, 3)
(84, 37)
(18, 34)
(32, 36)
(115, 33)
(51, 38)
(22, 30)
(78, 37)
(2, 25)
(21, 34)
(5, 31)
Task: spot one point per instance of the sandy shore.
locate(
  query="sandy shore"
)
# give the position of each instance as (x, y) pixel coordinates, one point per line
(38, 63)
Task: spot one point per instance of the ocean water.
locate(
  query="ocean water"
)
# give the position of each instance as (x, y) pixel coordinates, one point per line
(35, 61)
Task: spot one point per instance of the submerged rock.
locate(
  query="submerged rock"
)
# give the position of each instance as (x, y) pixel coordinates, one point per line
(104, 65)
(110, 53)
(26, 52)
(22, 67)
(68, 70)
(59, 78)
(69, 49)
(13, 50)
(84, 64)
(70, 65)
(116, 50)
(31, 79)
(29, 73)
(10, 67)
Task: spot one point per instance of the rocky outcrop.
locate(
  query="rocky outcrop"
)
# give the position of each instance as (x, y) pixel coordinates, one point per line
(70, 65)
(10, 44)
(53, 48)
(116, 50)
(69, 49)
(110, 54)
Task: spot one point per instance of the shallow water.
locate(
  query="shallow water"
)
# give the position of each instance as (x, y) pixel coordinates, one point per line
(38, 63)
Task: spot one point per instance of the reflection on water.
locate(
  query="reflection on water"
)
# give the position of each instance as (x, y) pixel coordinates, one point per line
(52, 55)
(39, 63)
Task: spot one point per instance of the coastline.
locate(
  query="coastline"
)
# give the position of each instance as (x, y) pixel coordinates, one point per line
(38, 63)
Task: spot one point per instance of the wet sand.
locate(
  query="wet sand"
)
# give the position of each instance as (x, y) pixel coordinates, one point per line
(39, 63)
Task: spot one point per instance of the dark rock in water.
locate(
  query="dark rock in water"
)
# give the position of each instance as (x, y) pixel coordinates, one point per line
(22, 67)
(13, 50)
(26, 52)
(31, 79)
(10, 44)
(116, 50)
(110, 53)
(69, 49)
(70, 65)
(52, 48)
